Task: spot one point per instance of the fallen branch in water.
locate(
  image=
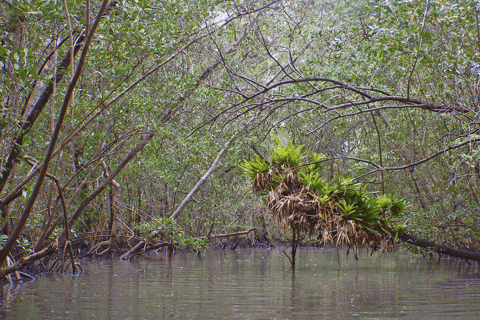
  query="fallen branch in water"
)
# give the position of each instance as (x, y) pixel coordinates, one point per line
(144, 246)
(24, 261)
(226, 235)
(440, 248)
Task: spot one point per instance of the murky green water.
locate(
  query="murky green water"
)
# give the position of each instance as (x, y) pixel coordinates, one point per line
(252, 284)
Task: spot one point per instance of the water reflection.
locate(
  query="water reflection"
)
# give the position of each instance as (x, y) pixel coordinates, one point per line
(8, 296)
(252, 284)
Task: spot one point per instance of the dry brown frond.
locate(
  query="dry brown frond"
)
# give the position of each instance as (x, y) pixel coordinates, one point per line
(261, 181)
(290, 203)
(291, 178)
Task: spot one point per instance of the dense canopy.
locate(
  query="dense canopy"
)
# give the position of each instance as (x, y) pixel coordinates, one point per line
(124, 123)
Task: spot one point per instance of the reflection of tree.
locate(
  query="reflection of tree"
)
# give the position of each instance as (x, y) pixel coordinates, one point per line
(9, 295)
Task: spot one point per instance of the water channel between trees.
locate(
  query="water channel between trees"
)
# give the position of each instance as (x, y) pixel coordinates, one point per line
(252, 284)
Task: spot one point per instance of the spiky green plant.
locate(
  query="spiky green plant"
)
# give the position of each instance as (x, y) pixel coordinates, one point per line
(315, 160)
(348, 209)
(290, 155)
(254, 166)
(323, 199)
(398, 206)
(311, 180)
(342, 202)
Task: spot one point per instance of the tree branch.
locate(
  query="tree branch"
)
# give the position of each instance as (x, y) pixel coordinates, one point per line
(439, 248)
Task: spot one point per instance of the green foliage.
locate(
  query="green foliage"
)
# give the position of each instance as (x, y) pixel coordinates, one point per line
(310, 174)
(253, 167)
(316, 161)
(171, 232)
(353, 199)
(324, 199)
(364, 207)
(312, 180)
(24, 245)
(397, 207)
(289, 156)
(426, 50)
(348, 209)
(3, 239)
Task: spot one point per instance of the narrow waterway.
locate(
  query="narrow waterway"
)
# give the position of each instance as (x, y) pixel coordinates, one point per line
(252, 284)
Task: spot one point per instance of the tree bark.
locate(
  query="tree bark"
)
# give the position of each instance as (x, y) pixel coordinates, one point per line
(439, 248)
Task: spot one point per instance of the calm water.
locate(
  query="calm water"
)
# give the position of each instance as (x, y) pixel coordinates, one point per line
(252, 284)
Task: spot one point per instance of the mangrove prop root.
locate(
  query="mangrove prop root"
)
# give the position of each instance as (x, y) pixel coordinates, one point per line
(108, 243)
(439, 248)
(68, 250)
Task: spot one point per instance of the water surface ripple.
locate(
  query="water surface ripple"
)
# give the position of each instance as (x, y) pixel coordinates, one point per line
(252, 284)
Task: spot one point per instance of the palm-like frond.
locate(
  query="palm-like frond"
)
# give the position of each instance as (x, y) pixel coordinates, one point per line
(341, 213)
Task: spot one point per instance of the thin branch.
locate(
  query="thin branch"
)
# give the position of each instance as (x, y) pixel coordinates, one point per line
(416, 163)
